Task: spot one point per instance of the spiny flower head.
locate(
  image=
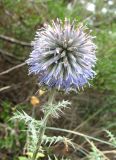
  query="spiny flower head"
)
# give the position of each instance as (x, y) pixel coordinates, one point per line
(63, 55)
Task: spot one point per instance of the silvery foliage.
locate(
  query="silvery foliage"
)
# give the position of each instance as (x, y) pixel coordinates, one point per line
(33, 126)
(56, 110)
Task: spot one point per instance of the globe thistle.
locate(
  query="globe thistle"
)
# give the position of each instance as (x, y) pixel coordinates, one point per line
(63, 55)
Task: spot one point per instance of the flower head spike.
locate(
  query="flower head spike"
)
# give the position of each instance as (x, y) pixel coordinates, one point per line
(63, 55)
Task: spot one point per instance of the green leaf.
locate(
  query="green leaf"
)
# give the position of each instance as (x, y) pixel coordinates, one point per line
(22, 158)
(30, 154)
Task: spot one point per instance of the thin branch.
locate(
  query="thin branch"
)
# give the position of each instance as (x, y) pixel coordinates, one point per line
(15, 41)
(3, 52)
(4, 88)
(16, 86)
(13, 68)
(109, 152)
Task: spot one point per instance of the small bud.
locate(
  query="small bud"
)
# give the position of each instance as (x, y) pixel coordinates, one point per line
(34, 101)
(41, 92)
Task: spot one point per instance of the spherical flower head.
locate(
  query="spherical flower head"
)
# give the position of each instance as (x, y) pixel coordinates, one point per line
(63, 55)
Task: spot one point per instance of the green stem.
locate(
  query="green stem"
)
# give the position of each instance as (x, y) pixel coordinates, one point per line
(33, 112)
(43, 127)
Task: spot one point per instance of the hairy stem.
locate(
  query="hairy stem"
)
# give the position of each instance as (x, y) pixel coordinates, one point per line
(43, 127)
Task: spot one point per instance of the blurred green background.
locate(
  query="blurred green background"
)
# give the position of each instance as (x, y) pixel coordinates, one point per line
(93, 109)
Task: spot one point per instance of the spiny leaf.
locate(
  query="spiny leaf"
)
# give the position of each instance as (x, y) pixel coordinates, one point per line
(55, 109)
(55, 139)
(112, 138)
(95, 154)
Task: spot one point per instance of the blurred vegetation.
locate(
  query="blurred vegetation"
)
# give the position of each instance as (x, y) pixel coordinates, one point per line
(93, 109)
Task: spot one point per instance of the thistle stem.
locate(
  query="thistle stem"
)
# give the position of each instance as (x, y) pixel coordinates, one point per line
(43, 127)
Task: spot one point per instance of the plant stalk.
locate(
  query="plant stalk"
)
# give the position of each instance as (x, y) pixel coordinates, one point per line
(43, 127)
